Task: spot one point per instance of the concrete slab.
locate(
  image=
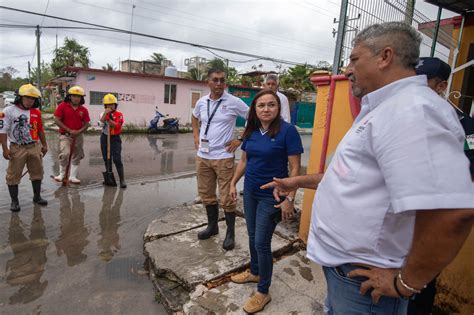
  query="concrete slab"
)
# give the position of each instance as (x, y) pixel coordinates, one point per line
(185, 259)
(298, 287)
(176, 220)
(180, 219)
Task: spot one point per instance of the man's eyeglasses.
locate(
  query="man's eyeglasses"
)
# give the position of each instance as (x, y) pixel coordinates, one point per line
(218, 80)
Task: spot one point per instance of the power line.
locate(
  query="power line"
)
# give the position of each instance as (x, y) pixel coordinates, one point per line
(158, 37)
(195, 28)
(225, 24)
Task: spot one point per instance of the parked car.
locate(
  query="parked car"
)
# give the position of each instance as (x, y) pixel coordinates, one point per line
(8, 98)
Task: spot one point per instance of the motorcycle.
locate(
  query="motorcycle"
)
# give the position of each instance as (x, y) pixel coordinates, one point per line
(170, 125)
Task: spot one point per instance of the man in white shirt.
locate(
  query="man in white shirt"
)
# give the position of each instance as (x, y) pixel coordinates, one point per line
(395, 204)
(272, 83)
(213, 124)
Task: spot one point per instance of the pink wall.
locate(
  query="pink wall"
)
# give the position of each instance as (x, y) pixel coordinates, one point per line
(148, 93)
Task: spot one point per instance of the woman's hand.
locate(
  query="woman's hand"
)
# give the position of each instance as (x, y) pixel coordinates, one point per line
(287, 209)
(233, 192)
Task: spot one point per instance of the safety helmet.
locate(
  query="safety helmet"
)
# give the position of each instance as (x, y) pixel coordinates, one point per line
(109, 99)
(76, 90)
(28, 90)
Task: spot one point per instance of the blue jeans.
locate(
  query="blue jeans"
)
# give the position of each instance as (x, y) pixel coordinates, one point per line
(344, 297)
(260, 227)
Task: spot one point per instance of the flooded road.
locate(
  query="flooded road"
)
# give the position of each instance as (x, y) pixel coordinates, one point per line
(82, 253)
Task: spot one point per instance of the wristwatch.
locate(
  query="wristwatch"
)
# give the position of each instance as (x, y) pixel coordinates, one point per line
(290, 199)
(240, 138)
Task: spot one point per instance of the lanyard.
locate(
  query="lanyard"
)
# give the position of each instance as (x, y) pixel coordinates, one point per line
(209, 118)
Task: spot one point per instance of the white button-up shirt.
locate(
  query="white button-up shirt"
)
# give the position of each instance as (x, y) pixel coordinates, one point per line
(285, 107)
(404, 152)
(221, 129)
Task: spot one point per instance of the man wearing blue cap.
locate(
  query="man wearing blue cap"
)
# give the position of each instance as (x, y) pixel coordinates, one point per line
(437, 73)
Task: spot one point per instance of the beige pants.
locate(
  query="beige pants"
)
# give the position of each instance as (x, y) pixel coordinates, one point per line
(24, 154)
(211, 173)
(65, 143)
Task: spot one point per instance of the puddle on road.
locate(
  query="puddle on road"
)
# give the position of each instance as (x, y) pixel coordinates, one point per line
(83, 253)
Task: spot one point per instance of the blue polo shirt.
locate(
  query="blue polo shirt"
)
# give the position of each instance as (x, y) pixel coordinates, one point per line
(268, 157)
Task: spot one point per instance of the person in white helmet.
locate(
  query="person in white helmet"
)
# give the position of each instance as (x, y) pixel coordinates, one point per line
(73, 119)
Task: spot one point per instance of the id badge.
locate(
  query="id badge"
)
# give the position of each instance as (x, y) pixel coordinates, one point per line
(204, 147)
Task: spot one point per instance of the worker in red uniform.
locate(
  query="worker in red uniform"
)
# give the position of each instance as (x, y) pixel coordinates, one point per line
(112, 120)
(73, 119)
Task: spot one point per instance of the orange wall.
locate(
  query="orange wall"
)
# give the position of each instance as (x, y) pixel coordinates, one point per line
(341, 121)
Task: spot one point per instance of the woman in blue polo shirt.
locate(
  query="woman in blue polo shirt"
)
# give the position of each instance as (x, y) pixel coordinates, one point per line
(270, 144)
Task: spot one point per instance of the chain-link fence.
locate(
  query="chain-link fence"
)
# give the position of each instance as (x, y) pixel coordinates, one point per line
(362, 13)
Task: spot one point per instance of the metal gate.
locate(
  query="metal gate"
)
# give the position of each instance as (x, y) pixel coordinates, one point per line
(355, 15)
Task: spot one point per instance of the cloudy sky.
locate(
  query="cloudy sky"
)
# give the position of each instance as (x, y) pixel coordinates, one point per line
(293, 30)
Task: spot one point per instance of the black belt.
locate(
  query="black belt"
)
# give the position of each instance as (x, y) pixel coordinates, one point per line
(65, 134)
(23, 144)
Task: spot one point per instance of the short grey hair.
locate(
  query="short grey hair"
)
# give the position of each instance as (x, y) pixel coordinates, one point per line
(271, 77)
(403, 38)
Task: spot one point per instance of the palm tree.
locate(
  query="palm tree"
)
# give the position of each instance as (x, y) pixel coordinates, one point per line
(194, 74)
(158, 58)
(69, 55)
(216, 63)
(108, 67)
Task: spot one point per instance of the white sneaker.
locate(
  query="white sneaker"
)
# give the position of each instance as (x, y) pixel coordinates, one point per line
(73, 177)
(62, 172)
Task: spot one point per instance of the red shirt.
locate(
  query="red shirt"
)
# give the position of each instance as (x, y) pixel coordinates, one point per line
(72, 118)
(36, 123)
(118, 120)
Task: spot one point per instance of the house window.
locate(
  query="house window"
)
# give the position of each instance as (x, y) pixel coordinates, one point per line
(170, 93)
(95, 98)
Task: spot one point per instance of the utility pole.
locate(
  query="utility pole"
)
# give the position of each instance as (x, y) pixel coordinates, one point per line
(435, 35)
(341, 29)
(409, 10)
(130, 43)
(29, 72)
(38, 50)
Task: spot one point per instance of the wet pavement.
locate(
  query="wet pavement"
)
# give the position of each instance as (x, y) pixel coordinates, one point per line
(83, 253)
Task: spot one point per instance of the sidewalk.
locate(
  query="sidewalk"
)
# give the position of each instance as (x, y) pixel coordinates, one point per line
(193, 277)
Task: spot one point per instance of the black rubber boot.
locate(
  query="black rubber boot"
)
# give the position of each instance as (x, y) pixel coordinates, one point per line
(229, 242)
(121, 175)
(37, 193)
(212, 219)
(15, 205)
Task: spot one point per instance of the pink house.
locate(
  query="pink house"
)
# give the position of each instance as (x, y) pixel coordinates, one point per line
(139, 93)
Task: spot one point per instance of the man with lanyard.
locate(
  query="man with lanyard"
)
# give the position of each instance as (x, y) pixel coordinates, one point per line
(213, 122)
(24, 127)
(272, 83)
(73, 119)
(395, 204)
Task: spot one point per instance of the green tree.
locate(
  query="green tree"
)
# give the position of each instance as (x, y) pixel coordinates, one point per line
(194, 74)
(233, 76)
(216, 63)
(8, 81)
(297, 78)
(108, 67)
(47, 74)
(69, 55)
(159, 58)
